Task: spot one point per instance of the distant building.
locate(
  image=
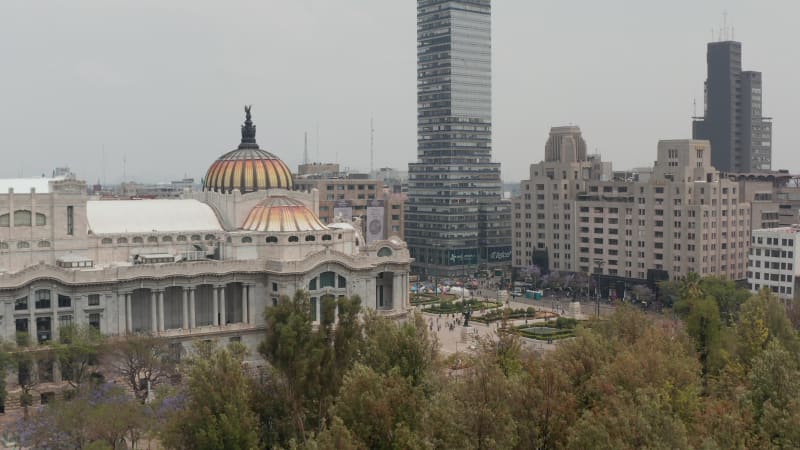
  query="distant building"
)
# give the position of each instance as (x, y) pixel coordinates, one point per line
(741, 137)
(572, 216)
(774, 261)
(456, 219)
(357, 196)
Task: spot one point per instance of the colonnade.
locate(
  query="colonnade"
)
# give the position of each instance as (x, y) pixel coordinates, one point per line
(192, 302)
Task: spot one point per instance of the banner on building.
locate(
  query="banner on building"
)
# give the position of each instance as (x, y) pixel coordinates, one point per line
(462, 257)
(499, 254)
(343, 208)
(375, 221)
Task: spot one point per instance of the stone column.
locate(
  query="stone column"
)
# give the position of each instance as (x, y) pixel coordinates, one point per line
(215, 305)
(128, 312)
(244, 304)
(251, 303)
(160, 310)
(192, 323)
(185, 309)
(222, 308)
(153, 311)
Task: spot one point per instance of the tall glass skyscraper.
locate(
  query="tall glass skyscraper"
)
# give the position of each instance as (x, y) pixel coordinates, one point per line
(456, 219)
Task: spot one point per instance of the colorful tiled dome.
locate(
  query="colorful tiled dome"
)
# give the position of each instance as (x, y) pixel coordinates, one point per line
(277, 214)
(248, 168)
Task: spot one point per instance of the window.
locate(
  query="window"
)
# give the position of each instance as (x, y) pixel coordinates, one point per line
(312, 285)
(313, 304)
(64, 321)
(247, 240)
(181, 238)
(22, 218)
(326, 279)
(385, 251)
(166, 239)
(274, 287)
(94, 299)
(64, 301)
(106, 241)
(310, 238)
(138, 240)
(272, 240)
(70, 220)
(42, 299)
(152, 239)
(41, 220)
(94, 321)
(23, 244)
(195, 237)
(293, 239)
(122, 241)
(326, 237)
(342, 281)
(21, 304)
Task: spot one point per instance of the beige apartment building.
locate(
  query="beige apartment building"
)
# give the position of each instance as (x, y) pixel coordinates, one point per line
(680, 217)
(353, 193)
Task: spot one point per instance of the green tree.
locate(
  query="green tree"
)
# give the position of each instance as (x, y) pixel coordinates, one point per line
(775, 396)
(763, 319)
(379, 409)
(78, 353)
(310, 361)
(217, 415)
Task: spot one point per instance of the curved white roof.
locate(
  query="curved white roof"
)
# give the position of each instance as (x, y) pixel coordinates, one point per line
(150, 216)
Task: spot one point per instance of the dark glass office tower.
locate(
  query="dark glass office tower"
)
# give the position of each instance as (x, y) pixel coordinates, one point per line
(456, 219)
(741, 138)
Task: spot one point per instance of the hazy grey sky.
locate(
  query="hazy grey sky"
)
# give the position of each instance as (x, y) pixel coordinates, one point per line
(163, 82)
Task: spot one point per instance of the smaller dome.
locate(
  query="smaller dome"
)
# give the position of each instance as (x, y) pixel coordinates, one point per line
(275, 214)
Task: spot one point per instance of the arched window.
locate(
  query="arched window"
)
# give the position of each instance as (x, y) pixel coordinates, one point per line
(41, 220)
(23, 244)
(166, 239)
(106, 241)
(122, 241)
(293, 239)
(310, 238)
(312, 285)
(138, 240)
(43, 244)
(181, 238)
(326, 237)
(209, 237)
(327, 279)
(22, 218)
(340, 236)
(195, 237)
(357, 242)
(4, 245)
(152, 239)
(272, 240)
(4, 220)
(385, 251)
(247, 240)
(342, 281)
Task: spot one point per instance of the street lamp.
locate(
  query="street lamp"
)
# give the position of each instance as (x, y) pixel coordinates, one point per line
(598, 269)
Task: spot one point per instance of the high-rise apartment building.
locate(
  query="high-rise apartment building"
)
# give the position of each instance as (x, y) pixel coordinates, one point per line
(680, 217)
(774, 261)
(741, 137)
(456, 220)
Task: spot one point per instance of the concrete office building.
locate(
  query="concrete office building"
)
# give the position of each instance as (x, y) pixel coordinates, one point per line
(456, 221)
(741, 137)
(774, 261)
(572, 216)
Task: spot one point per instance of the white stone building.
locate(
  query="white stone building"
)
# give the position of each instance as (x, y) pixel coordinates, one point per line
(774, 261)
(204, 267)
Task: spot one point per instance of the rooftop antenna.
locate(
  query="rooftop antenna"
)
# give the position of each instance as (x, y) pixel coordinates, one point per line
(103, 151)
(371, 146)
(694, 107)
(305, 147)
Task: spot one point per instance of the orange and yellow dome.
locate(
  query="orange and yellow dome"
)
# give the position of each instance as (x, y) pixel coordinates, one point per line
(276, 214)
(248, 168)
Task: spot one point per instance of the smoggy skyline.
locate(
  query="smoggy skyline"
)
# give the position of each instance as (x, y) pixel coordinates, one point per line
(86, 83)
